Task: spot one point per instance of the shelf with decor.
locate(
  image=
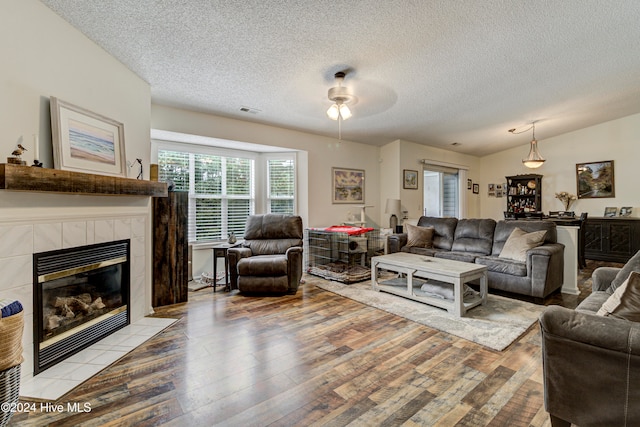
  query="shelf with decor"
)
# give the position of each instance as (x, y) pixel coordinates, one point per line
(524, 194)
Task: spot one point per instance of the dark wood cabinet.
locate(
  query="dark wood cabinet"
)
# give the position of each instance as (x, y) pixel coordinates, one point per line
(170, 249)
(612, 239)
(524, 193)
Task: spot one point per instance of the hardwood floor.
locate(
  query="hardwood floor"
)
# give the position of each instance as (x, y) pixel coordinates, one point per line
(312, 359)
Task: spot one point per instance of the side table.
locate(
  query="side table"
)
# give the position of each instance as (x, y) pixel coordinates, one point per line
(221, 250)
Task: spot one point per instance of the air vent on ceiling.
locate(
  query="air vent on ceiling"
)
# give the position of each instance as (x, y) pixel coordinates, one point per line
(249, 110)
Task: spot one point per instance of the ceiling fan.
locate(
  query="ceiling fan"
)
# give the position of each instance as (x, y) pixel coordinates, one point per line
(340, 96)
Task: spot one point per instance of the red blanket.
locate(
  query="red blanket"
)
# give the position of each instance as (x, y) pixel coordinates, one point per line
(349, 229)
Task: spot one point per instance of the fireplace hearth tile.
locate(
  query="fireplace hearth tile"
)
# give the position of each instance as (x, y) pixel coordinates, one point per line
(58, 380)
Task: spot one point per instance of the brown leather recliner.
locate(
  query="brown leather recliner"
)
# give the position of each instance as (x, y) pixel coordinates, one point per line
(270, 258)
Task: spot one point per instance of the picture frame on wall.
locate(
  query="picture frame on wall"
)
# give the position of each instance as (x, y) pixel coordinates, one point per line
(347, 185)
(469, 184)
(409, 179)
(476, 188)
(84, 141)
(595, 180)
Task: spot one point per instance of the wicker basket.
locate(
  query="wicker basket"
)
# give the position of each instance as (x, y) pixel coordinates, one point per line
(9, 391)
(11, 340)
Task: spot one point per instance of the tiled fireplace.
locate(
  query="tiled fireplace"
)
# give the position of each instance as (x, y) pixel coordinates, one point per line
(24, 232)
(81, 295)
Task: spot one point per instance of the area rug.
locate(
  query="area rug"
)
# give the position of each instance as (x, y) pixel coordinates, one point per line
(494, 325)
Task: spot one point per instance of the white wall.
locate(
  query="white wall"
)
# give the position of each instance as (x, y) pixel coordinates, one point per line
(44, 56)
(319, 155)
(616, 140)
(411, 155)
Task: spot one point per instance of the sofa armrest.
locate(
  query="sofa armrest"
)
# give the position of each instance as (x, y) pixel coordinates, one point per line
(294, 267)
(602, 277)
(590, 365)
(234, 255)
(545, 266)
(395, 242)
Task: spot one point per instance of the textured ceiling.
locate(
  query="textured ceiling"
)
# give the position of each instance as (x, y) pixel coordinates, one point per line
(432, 72)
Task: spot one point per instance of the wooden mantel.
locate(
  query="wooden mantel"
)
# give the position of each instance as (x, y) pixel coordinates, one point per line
(27, 178)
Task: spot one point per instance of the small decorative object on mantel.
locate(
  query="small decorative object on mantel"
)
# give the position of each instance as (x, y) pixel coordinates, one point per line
(610, 212)
(16, 156)
(232, 238)
(132, 164)
(567, 199)
(36, 153)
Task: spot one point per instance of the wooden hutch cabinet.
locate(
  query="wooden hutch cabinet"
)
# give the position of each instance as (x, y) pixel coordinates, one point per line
(611, 239)
(524, 193)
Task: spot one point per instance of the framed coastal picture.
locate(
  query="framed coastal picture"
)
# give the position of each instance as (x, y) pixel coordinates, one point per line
(595, 180)
(84, 141)
(347, 185)
(410, 179)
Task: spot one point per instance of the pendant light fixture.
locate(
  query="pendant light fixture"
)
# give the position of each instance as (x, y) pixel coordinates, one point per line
(340, 96)
(534, 159)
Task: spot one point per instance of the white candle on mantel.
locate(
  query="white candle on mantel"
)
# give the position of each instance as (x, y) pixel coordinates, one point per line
(36, 148)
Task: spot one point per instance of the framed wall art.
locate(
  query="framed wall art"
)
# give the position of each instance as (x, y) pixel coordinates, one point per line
(476, 188)
(410, 179)
(625, 210)
(84, 141)
(595, 180)
(347, 185)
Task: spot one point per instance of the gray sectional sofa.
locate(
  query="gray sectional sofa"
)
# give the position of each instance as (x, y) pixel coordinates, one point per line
(591, 363)
(480, 241)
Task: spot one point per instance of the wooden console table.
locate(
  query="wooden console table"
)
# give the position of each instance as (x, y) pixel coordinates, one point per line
(614, 239)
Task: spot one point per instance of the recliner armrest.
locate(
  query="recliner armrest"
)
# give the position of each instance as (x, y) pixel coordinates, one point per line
(602, 277)
(233, 256)
(294, 267)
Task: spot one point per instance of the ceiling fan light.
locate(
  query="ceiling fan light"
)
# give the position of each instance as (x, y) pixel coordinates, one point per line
(534, 159)
(333, 112)
(345, 112)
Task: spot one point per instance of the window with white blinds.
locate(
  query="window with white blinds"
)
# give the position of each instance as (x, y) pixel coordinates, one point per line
(281, 186)
(221, 191)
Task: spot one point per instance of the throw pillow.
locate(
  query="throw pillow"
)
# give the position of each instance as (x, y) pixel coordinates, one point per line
(421, 237)
(624, 303)
(519, 242)
(632, 265)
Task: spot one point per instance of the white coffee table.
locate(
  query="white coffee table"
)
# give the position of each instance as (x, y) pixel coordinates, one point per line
(444, 270)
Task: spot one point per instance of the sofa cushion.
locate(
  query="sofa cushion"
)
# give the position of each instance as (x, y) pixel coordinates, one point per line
(420, 251)
(263, 265)
(505, 228)
(624, 303)
(503, 265)
(593, 302)
(519, 242)
(458, 256)
(474, 235)
(632, 265)
(421, 237)
(444, 230)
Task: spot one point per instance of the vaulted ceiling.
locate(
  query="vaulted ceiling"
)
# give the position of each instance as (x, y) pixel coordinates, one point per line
(450, 74)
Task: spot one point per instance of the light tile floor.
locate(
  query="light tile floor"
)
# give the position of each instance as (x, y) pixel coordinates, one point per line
(68, 374)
